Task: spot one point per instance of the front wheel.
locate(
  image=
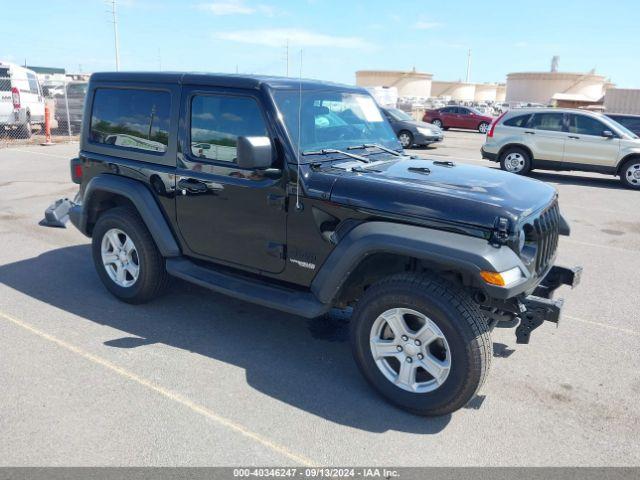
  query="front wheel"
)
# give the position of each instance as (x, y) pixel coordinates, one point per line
(630, 174)
(483, 127)
(421, 342)
(126, 257)
(406, 139)
(515, 160)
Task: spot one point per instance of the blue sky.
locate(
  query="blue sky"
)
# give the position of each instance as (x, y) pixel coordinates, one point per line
(337, 37)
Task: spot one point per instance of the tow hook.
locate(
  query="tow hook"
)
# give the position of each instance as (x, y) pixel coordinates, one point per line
(537, 310)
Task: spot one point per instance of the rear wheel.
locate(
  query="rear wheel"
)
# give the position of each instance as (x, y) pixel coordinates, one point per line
(126, 257)
(421, 342)
(437, 122)
(406, 139)
(483, 127)
(515, 160)
(630, 173)
(25, 131)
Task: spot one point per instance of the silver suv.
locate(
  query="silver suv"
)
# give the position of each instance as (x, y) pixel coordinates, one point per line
(563, 139)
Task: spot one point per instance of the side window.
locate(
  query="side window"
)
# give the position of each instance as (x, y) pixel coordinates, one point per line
(463, 111)
(584, 125)
(447, 110)
(548, 121)
(33, 83)
(519, 121)
(131, 118)
(217, 122)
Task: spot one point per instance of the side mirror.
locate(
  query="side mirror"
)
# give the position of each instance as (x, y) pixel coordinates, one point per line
(608, 134)
(254, 152)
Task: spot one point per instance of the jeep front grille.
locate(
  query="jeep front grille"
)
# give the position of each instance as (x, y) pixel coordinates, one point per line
(546, 235)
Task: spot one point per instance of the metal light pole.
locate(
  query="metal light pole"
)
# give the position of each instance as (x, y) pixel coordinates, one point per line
(468, 66)
(115, 33)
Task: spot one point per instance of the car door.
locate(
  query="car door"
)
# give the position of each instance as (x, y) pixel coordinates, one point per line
(545, 135)
(34, 99)
(448, 116)
(226, 213)
(465, 119)
(586, 143)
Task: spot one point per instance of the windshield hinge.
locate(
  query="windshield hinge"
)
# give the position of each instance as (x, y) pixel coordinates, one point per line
(500, 234)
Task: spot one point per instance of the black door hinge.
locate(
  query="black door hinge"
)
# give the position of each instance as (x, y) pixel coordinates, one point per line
(277, 201)
(500, 234)
(275, 250)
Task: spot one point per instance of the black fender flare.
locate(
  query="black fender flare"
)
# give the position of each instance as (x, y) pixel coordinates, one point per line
(141, 198)
(444, 250)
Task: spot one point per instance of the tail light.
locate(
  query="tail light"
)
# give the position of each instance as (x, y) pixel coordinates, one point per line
(76, 170)
(15, 96)
(493, 125)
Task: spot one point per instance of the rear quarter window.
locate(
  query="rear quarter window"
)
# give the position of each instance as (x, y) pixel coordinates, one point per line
(519, 121)
(131, 118)
(5, 80)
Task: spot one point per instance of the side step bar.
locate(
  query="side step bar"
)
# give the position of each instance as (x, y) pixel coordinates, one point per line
(287, 300)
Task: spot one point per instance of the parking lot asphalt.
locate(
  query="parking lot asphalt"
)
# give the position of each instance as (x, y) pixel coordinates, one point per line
(195, 378)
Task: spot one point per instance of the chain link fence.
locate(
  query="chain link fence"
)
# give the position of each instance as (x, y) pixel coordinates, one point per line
(34, 113)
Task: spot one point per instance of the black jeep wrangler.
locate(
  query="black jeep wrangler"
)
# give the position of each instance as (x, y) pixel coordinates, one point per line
(296, 195)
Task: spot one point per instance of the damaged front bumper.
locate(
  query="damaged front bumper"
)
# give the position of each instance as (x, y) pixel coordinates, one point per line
(540, 307)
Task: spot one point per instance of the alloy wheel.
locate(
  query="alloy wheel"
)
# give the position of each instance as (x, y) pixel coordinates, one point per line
(120, 258)
(410, 350)
(405, 140)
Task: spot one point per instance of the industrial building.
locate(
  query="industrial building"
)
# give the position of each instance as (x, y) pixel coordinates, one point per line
(409, 84)
(560, 88)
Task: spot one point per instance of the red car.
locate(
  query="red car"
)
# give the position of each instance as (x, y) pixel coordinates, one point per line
(458, 117)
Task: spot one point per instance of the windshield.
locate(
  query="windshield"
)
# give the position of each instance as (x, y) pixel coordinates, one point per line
(333, 120)
(399, 114)
(622, 128)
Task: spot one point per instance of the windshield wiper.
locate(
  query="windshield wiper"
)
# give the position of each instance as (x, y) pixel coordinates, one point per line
(326, 151)
(374, 145)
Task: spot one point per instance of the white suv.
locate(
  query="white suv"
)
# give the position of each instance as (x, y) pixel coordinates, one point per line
(21, 99)
(563, 139)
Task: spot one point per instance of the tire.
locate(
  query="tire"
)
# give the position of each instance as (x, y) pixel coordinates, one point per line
(515, 160)
(483, 128)
(467, 342)
(25, 131)
(630, 173)
(406, 138)
(151, 278)
(438, 123)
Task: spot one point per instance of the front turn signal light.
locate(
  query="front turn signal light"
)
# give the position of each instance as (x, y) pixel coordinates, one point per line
(502, 279)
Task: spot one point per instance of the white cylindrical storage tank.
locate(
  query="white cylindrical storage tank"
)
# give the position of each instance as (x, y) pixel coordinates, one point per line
(622, 100)
(455, 90)
(485, 92)
(501, 93)
(409, 84)
(540, 87)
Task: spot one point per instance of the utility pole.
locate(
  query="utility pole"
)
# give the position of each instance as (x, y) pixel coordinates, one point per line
(115, 33)
(287, 56)
(468, 66)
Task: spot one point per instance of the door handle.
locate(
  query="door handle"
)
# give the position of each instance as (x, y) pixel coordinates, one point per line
(530, 133)
(574, 137)
(191, 185)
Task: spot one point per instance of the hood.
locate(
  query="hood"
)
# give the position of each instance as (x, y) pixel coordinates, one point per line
(431, 190)
(416, 124)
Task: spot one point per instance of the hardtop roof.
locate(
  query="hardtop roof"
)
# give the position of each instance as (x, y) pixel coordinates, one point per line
(221, 80)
